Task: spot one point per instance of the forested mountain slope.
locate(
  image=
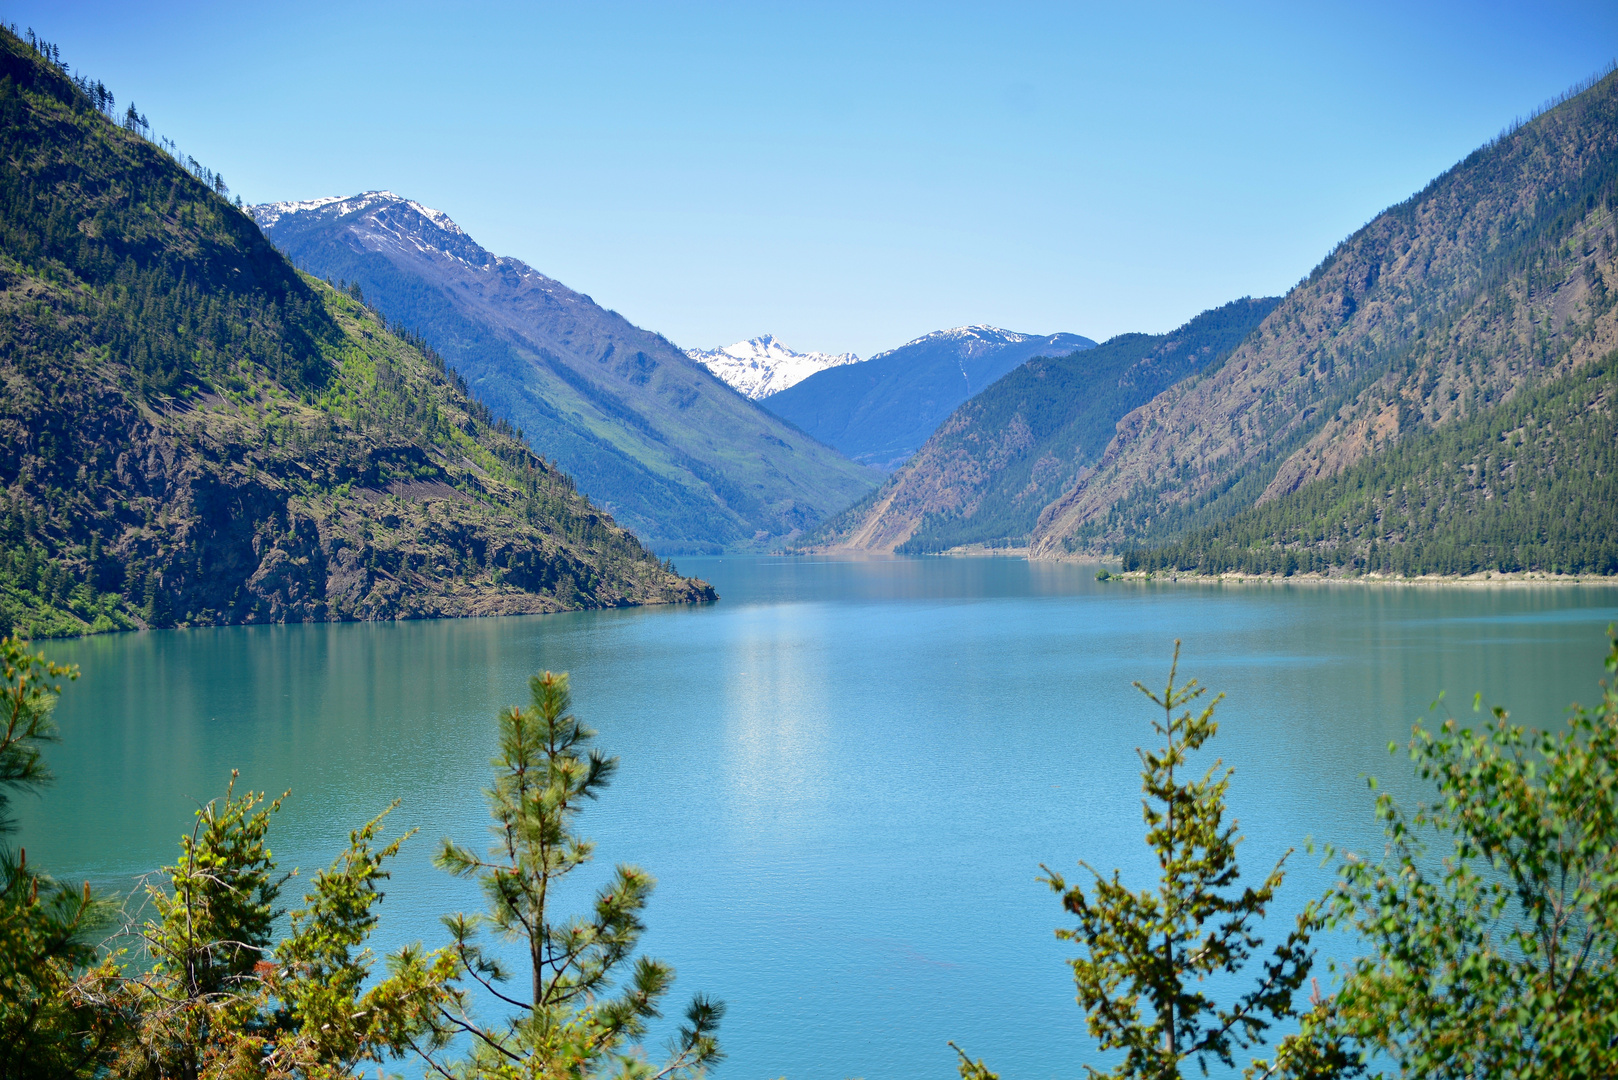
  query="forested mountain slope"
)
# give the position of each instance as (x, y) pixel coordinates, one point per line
(998, 460)
(1531, 485)
(193, 433)
(1491, 280)
(881, 410)
(670, 450)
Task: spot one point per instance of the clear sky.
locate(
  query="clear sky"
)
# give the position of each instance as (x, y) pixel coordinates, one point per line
(848, 177)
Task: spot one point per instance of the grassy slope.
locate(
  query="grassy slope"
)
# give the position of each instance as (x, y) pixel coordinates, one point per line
(1488, 282)
(191, 433)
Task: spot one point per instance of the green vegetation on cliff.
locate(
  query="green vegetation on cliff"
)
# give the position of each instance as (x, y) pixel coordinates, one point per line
(193, 433)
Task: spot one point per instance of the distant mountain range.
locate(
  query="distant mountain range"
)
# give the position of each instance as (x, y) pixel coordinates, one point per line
(674, 453)
(881, 410)
(763, 366)
(1004, 455)
(193, 433)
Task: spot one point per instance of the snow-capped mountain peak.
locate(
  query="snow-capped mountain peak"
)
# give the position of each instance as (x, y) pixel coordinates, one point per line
(267, 214)
(381, 219)
(763, 366)
(968, 340)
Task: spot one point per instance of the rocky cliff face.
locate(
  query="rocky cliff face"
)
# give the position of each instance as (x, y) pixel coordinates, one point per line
(258, 508)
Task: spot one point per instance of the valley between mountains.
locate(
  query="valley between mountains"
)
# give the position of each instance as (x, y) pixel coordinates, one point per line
(347, 408)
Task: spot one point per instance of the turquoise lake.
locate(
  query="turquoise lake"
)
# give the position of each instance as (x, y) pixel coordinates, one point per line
(844, 775)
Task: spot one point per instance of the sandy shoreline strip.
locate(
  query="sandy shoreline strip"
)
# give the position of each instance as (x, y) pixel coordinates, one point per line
(1488, 579)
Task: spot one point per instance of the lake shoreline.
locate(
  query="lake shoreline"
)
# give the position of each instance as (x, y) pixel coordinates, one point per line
(1487, 579)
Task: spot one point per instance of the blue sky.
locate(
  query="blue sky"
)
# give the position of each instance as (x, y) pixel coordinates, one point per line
(849, 177)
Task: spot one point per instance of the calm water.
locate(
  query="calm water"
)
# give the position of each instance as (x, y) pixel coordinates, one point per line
(844, 774)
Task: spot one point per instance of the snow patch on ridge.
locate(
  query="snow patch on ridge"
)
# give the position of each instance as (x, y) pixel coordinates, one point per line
(267, 214)
(973, 339)
(764, 366)
(373, 223)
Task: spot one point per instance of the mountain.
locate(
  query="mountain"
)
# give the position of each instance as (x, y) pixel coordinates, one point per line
(1000, 458)
(1490, 282)
(671, 451)
(764, 366)
(1529, 486)
(879, 411)
(191, 433)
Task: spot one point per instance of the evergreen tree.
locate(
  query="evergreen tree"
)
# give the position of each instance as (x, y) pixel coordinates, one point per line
(1149, 954)
(47, 928)
(566, 1022)
(213, 926)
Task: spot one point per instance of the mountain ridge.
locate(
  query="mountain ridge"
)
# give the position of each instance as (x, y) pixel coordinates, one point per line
(674, 452)
(761, 366)
(986, 473)
(193, 433)
(1440, 307)
(880, 411)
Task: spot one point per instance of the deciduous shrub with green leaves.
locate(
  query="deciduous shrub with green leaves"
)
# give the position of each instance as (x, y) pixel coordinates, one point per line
(1499, 957)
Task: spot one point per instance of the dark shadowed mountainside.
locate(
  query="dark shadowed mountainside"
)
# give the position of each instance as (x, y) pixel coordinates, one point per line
(881, 410)
(670, 450)
(192, 433)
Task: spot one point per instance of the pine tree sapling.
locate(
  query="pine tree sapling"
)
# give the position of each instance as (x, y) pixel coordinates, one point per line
(1148, 955)
(198, 994)
(317, 1017)
(567, 1021)
(215, 926)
